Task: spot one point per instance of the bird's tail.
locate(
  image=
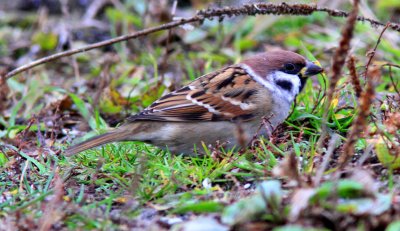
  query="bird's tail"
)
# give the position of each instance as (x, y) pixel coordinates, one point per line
(113, 136)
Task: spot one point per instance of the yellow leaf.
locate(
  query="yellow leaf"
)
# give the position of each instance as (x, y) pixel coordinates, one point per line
(334, 102)
(121, 200)
(14, 192)
(339, 116)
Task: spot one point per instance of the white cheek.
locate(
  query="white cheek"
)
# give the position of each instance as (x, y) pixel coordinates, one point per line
(269, 83)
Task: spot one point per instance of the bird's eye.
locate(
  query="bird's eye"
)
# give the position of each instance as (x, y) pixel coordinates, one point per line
(289, 67)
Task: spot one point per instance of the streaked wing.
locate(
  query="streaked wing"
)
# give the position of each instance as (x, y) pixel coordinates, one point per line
(223, 95)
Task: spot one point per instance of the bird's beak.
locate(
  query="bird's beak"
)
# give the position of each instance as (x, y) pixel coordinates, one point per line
(311, 69)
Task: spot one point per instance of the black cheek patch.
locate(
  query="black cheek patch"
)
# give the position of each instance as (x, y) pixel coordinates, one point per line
(303, 82)
(286, 85)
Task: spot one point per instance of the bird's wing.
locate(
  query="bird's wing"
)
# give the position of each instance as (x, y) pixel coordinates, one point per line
(227, 95)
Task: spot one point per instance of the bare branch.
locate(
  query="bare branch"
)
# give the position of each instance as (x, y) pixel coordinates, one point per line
(371, 54)
(221, 13)
(100, 44)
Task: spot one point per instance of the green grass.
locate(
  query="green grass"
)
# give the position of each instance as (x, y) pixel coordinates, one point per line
(114, 186)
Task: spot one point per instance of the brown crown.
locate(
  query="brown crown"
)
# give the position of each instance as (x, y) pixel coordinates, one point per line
(267, 62)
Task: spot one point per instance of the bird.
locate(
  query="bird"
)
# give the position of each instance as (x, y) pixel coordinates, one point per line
(214, 107)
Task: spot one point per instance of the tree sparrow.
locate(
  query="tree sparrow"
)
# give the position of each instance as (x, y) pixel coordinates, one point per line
(215, 105)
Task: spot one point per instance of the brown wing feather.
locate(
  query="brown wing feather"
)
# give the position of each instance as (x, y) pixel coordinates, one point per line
(221, 95)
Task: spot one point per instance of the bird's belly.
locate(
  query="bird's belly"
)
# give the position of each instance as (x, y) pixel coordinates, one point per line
(190, 138)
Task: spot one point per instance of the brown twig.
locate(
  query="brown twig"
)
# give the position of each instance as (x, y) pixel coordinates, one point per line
(390, 65)
(371, 54)
(100, 44)
(365, 156)
(164, 62)
(53, 210)
(353, 76)
(360, 123)
(266, 123)
(248, 9)
(327, 157)
(293, 169)
(4, 94)
(393, 82)
(337, 65)
(394, 150)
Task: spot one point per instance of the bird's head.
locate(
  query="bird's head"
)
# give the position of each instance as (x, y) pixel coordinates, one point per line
(283, 72)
